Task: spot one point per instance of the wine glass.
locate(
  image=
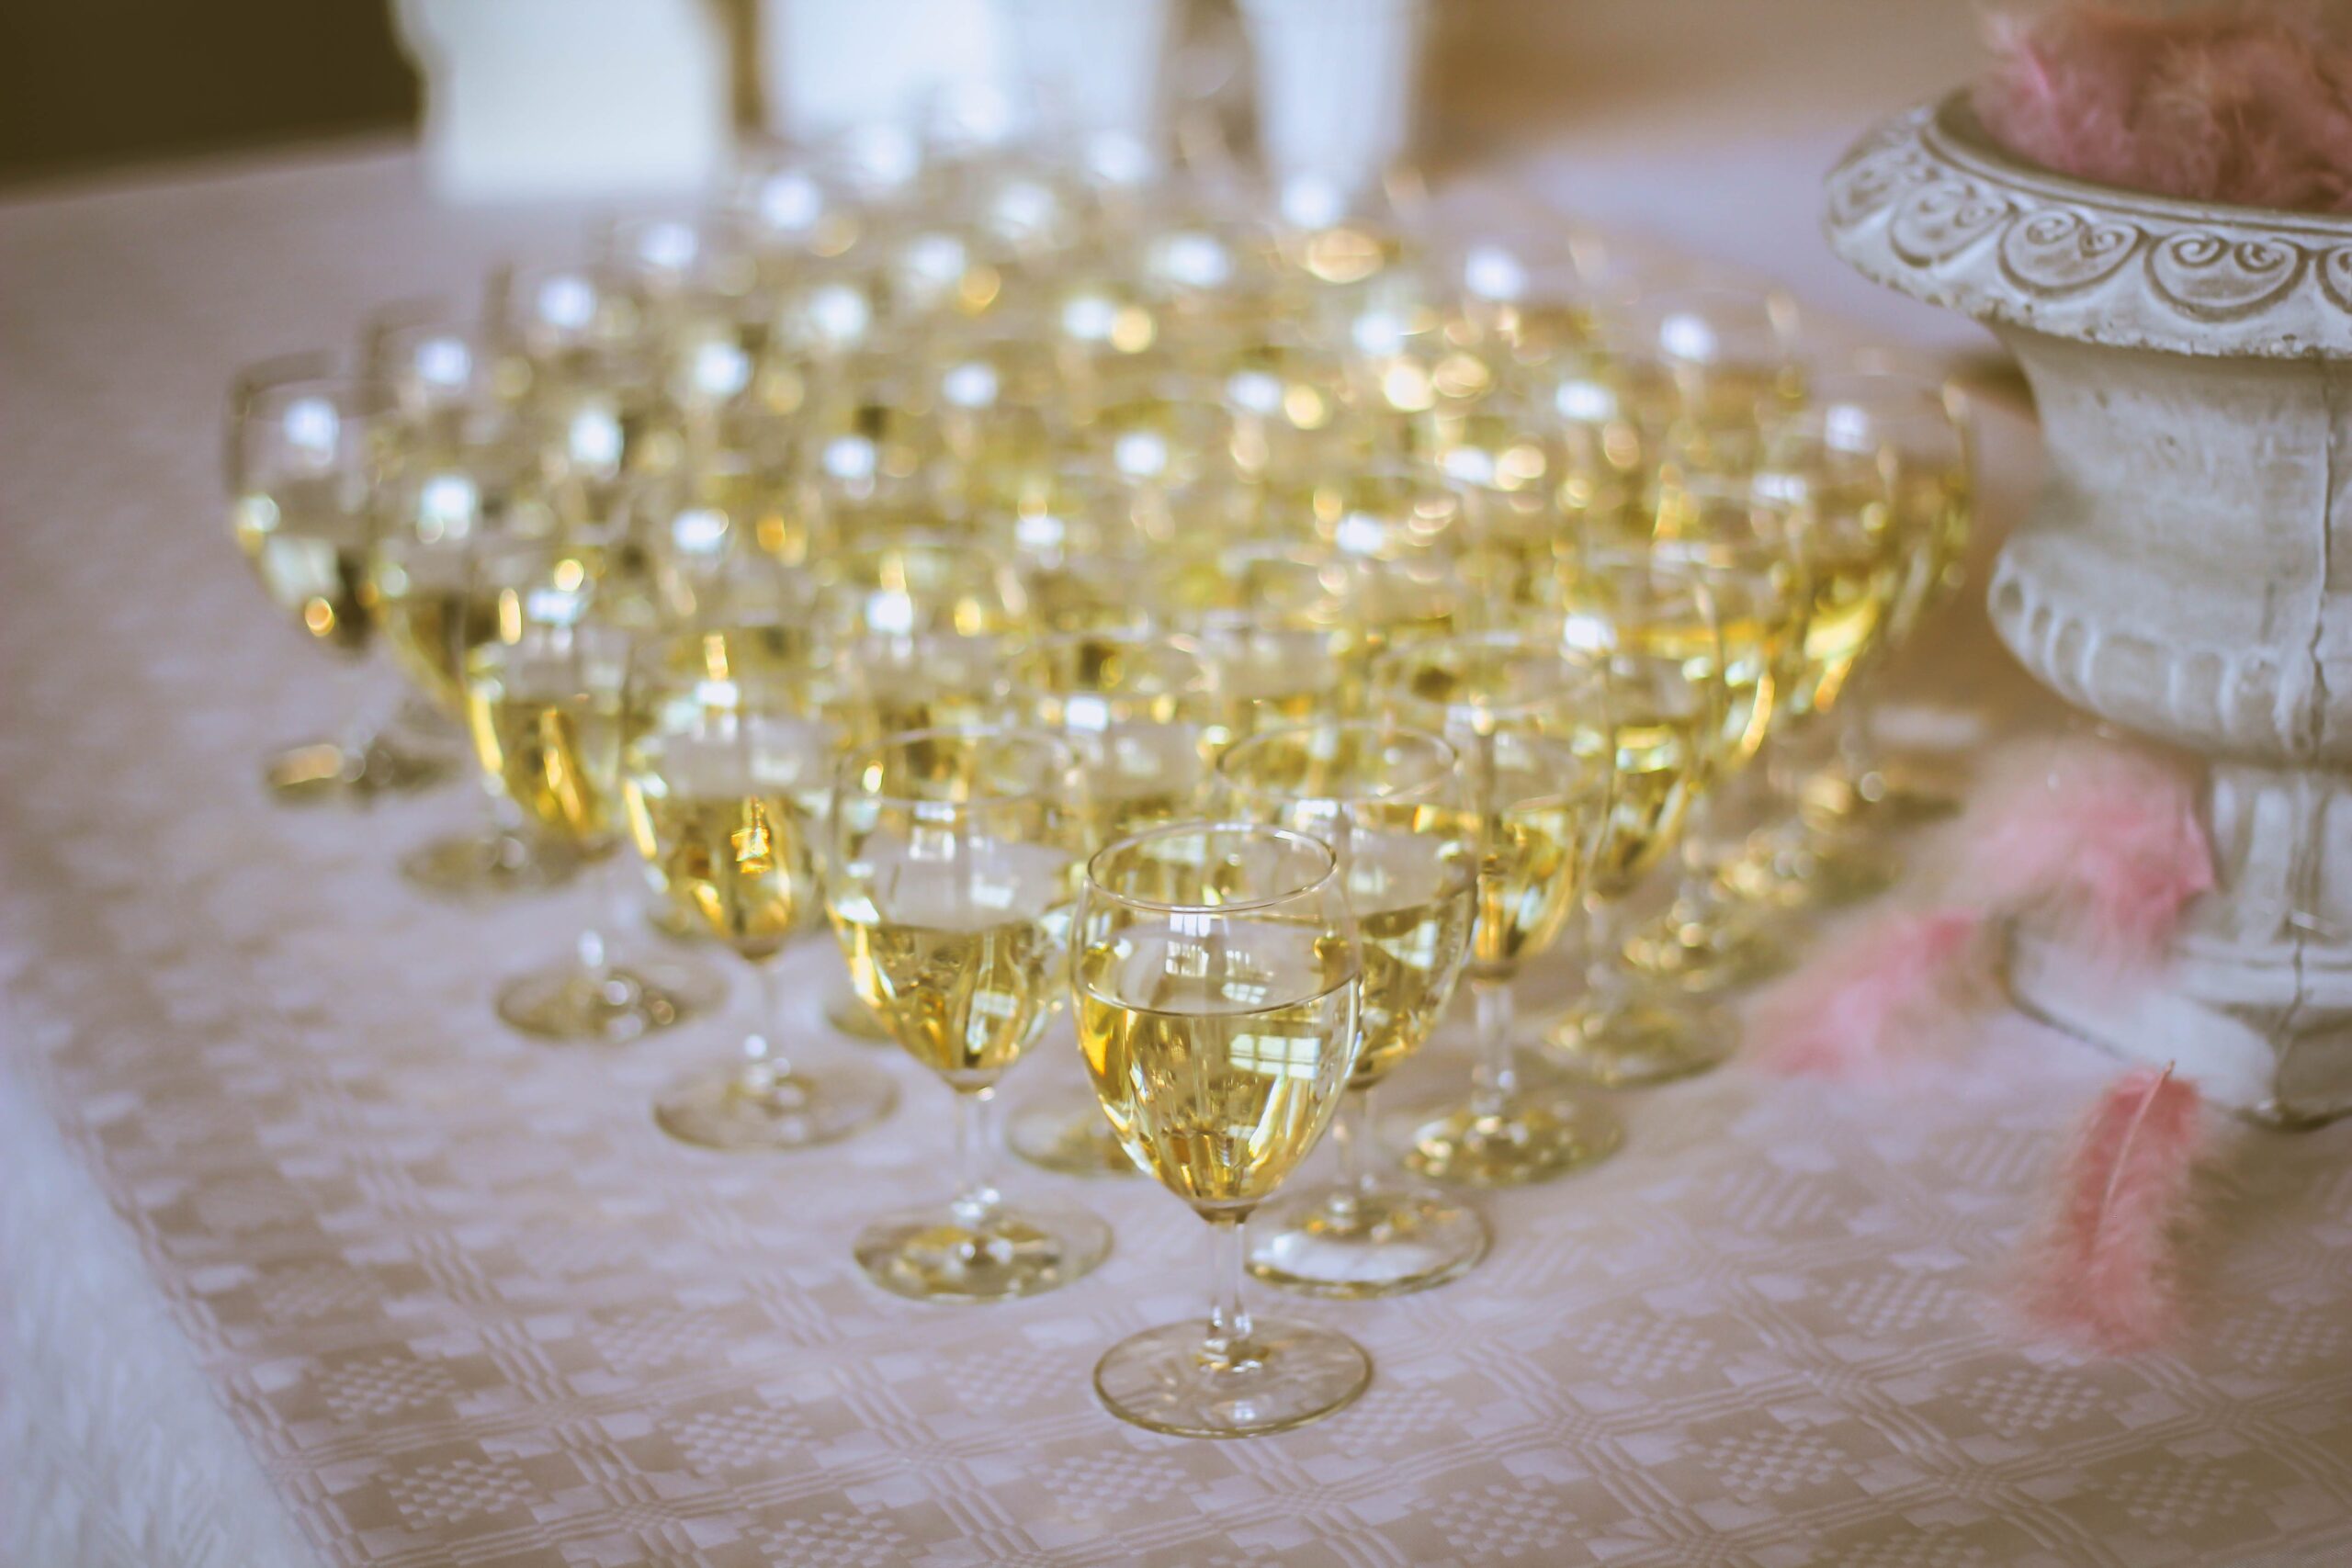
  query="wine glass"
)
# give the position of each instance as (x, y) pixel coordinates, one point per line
(1649, 619)
(1520, 709)
(879, 598)
(306, 451)
(727, 776)
(1392, 806)
(437, 603)
(1748, 551)
(545, 703)
(1835, 465)
(956, 858)
(1920, 429)
(1140, 709)
(1218, 980)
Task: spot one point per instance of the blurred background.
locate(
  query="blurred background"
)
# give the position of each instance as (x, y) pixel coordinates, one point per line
(1707, 123)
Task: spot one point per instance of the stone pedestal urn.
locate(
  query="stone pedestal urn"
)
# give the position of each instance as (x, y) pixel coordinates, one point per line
(2186, 572)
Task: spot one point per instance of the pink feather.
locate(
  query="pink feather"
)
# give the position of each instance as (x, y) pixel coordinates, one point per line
(2237, 101)
(2104, 1267)
(1854, 1005)
(2103, 838)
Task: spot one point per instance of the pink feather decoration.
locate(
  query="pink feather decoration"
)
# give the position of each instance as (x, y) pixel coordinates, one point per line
(1844, 1012)
(2237, 102)
(2104, 1269)
(2102, 839)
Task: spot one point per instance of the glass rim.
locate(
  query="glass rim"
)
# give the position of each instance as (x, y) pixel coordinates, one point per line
(1448, 758)
(1585, 668)
(1056, 746)
(1327, 873)
(1021, 657)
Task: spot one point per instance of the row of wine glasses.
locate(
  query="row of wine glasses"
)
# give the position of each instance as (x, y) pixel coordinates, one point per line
(1230, 621)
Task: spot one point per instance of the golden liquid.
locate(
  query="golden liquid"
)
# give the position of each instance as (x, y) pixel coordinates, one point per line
(555, 750)
(730, 832)
(311, 555)
(431, 630)
(962, 951)
(1219, 1057)
(1854, 585)
(1145, 775)
(1413, 899)
(1272, 679)
(1933, 507)
(1530, 862)
(1659, 766)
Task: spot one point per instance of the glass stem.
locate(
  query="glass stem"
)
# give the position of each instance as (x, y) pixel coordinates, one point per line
(764, 1064)
(1604, 974)
(1229, 1326)
(361, 711)
(619, 896)
(977, 1198)
(1352, 1136)
(1494, 1081)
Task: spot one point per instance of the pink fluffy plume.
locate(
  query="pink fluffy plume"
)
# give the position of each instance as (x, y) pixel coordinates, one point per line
(2102, 839)
(1860, 1001)
(2238, 102)
(2104, 1266)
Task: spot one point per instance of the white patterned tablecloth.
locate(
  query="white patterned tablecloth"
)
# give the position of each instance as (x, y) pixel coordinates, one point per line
(307, 1261)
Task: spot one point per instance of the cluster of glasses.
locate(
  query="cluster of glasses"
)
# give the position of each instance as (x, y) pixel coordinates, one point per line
(1234, 619)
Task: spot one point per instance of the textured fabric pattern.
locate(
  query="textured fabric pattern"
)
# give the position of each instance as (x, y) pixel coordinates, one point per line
(463, 1304)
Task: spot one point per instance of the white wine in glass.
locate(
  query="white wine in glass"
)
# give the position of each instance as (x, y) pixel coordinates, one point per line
(1218, 979)
(728, 780)
(1514, 706)
(305, 452)
(954, 864)
(546, 704)
(1392, 804)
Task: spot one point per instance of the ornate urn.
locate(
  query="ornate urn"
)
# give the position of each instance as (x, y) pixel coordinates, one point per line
(2187, 571)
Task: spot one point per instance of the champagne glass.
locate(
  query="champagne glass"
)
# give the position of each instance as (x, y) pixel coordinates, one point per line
(437, 603)
(1218, 980)
(1514, 704)
(1920, 429)
(726, 777)
(1749, 552)
(1832, 465)
(956, 858)
(1650, 621)
(545, 703)
(1140, 710)
(306, 451)
(879, 597)
(1392, 806)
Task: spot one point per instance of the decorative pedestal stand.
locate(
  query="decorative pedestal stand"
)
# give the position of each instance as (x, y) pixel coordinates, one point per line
(2186, 572)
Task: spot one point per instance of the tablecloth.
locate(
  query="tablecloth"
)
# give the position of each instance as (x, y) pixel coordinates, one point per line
(307, 1260)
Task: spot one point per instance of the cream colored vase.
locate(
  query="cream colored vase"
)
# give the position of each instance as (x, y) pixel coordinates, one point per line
(2186, 572)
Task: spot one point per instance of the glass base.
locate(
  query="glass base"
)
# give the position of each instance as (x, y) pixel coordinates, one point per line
(1713, 947)
(1356, 1242)
(941, 1253)
(1531, 1141)
(674, 923)
(848, 1015)
(1793, 868)
(752, 1106)
(634, 997)
(1634, 1040)
(324, 772)
(486, 865)
(1883, 797)
(1067, 1134)
(1284, 1375)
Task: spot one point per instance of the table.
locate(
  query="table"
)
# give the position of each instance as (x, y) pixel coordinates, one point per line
(307, 1261)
